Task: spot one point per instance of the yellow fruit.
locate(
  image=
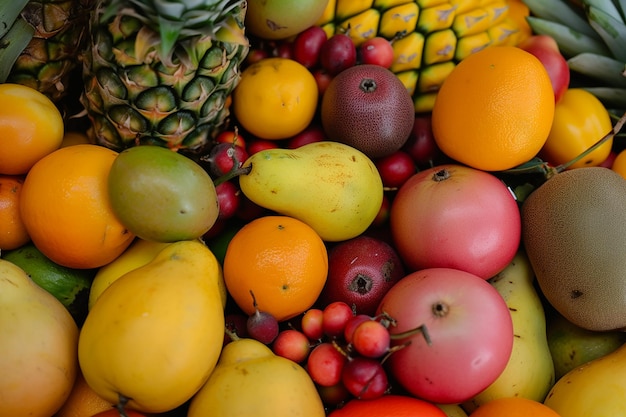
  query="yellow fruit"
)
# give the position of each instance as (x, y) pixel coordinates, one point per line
(139, 253)
(155, 334)
(31, 127)
(276, 98)
(249, 380)
(37, 348)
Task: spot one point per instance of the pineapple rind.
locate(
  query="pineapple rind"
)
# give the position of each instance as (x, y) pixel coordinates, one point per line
(429, 37)
(135, 95)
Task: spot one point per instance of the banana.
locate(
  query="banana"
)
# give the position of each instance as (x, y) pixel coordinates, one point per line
(530, 370)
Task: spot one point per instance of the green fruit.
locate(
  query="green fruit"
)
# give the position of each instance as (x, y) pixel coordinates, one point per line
(69, 286)
(572, 346)
(161, 195)
(280, 19)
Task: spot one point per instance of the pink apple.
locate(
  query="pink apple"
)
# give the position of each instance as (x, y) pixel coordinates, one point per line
(546, 49)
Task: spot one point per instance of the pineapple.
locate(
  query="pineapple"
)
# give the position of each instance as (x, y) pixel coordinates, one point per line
(429, 37)
(51, 57)
(592, 35)
(162, 72)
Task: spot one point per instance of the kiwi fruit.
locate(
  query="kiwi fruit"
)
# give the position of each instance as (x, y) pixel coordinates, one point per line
(367, 107)
(574, 231)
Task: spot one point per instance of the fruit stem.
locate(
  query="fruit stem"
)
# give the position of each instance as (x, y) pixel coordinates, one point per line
(123, 400)
(421, 329)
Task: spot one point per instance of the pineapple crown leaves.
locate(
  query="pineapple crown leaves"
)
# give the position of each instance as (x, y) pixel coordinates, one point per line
(176, 21)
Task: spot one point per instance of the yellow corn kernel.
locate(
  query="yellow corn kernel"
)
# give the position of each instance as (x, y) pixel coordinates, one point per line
(347, 8)
(424, 4)
(471, 23)
(329, 28)
(439, 47)
(407, 52)
(399, 19)
(464, 6)
(362, 26)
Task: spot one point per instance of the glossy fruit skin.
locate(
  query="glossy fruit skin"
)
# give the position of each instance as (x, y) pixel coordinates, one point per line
(280, 19)
(162, 195)
(338, 53)
(156, 334)
(360, 272)
(307, 46)
(392, 405)
(580, 120)
(468, 324)
(38, 349)
(367, 107)
(31, 127)
(545, 48)
(376, 51)
(457, 217)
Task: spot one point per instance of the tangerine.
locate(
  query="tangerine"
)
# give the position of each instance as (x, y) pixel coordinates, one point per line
(513, 407)
(494, 111)
(390, 405)
(66, 210)
(83, 401)
(276, 98)
(13, 233)
(282, 260)
(31, 127)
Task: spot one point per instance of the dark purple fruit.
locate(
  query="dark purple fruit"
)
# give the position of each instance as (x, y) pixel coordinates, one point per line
(360, 272)
(368, 108)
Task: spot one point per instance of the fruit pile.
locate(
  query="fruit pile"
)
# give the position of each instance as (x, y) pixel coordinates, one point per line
(312, 208)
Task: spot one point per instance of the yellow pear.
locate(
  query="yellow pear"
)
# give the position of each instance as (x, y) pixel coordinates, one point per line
(139, 253)
(37, 348)
(595, 389)
(155, 334)
(250, 380)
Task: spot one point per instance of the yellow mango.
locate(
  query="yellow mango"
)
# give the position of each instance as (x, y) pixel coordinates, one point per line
(595, 389)
(139, 253)
(250, 380)
(155, 335)
(37, 348)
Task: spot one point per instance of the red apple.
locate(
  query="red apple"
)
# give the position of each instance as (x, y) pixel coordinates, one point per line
(546, 49)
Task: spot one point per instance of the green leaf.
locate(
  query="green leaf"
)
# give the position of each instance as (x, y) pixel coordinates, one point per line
(612, 31)
(608, 70)
(562, 12)
(571, 42)
(9, 12)
(12, 45)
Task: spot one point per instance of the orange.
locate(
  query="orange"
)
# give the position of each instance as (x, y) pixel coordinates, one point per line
(31, 127)
(276, 98)
(514, 407)
(619, 163)
(13, 233)
(65, 207)
(282, 260)
(83, 401)
(389, 406)
(494, 111)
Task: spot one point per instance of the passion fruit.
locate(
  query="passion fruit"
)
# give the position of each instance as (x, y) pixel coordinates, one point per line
(368, 108)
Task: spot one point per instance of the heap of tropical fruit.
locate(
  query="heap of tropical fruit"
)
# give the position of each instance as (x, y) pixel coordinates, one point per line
(312, 208)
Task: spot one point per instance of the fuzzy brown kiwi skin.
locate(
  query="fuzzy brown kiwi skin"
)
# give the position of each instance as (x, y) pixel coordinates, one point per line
(368, 107)
(574, 232)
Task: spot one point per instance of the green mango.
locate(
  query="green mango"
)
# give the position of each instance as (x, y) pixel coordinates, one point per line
(572, 346)
(161, 195)
(332, 187)
(69, 286)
